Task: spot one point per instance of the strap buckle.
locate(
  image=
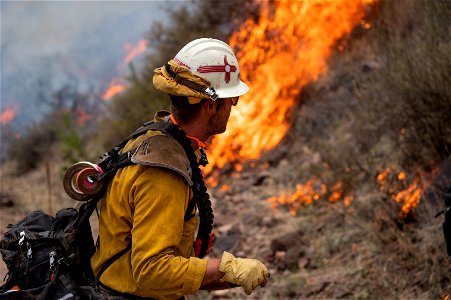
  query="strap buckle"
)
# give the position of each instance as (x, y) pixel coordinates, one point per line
(210, 91)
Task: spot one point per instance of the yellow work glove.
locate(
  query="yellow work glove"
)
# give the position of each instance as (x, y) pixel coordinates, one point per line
(245, 272)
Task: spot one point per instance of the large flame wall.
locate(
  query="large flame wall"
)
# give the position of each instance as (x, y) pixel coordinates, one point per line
(285, 49)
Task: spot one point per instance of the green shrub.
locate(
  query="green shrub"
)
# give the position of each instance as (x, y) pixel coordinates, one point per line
(70, 139)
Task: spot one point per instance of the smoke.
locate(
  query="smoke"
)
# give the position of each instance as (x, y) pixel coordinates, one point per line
(46, 45)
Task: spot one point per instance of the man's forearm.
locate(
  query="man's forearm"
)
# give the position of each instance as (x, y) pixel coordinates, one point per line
(212, 277)
(212, 274)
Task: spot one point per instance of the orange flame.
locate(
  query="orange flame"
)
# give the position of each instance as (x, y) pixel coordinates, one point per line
(394, 186)
(305, 194)
(311, 191)
(114, 88)
(409, 197)
(211, 181)
(82, 117)
(132, 52)
(7, 116)
(286, 49)
(224, 188)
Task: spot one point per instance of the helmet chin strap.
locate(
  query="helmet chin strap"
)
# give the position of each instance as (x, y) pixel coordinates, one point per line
(210, 91)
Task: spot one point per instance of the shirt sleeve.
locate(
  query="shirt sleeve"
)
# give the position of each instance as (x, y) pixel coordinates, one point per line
(159, 200)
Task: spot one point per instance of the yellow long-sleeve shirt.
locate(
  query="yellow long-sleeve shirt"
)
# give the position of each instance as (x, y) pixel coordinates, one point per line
(147, 206)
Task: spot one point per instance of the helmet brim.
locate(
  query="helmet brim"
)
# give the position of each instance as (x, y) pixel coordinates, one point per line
(235, 91)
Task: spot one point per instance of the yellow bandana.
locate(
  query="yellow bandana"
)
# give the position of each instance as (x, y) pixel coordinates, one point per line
(166, 83)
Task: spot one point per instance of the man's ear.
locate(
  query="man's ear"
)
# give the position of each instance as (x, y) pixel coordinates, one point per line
(210, 106)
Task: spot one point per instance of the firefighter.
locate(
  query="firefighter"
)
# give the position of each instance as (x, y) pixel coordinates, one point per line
(144, 211)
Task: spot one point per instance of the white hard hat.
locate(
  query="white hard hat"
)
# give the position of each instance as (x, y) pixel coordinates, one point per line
(215, 61)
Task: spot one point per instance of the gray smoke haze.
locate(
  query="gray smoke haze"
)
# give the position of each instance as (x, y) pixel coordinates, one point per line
(47, 44)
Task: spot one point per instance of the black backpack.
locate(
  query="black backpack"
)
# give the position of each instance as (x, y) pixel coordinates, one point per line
(49, 257)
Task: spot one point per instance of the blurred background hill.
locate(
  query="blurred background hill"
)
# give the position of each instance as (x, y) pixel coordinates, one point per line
(349, 106)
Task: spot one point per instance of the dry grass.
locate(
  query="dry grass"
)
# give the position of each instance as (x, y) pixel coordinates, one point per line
(365, 251)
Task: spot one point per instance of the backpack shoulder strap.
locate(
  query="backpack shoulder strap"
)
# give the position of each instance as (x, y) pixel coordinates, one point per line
(163, 151)
(109, 262)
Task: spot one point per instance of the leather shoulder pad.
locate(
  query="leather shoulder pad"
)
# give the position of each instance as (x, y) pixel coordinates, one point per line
(163, 151)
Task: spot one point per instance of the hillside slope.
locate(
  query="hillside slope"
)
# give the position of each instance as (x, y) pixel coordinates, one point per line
(320, 209)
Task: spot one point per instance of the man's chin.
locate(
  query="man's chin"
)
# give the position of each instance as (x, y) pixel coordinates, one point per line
(222, 131)
(219, 131)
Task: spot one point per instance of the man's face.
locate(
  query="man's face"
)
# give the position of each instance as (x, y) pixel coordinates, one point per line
(218, 122)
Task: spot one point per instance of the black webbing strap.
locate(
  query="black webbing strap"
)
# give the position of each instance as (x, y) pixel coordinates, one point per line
(141, 130)
(113, 294)
(110, 261)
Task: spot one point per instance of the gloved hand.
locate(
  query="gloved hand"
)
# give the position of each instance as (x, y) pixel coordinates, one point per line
(245, 272)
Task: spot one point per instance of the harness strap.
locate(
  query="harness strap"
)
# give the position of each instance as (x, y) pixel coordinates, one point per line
(110, 293)
(109, 262)
(47, 234)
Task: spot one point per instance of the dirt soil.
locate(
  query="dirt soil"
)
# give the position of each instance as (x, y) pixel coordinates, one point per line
(328, 250)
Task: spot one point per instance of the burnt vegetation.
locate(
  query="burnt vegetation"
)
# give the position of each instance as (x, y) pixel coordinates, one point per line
(385, 102)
